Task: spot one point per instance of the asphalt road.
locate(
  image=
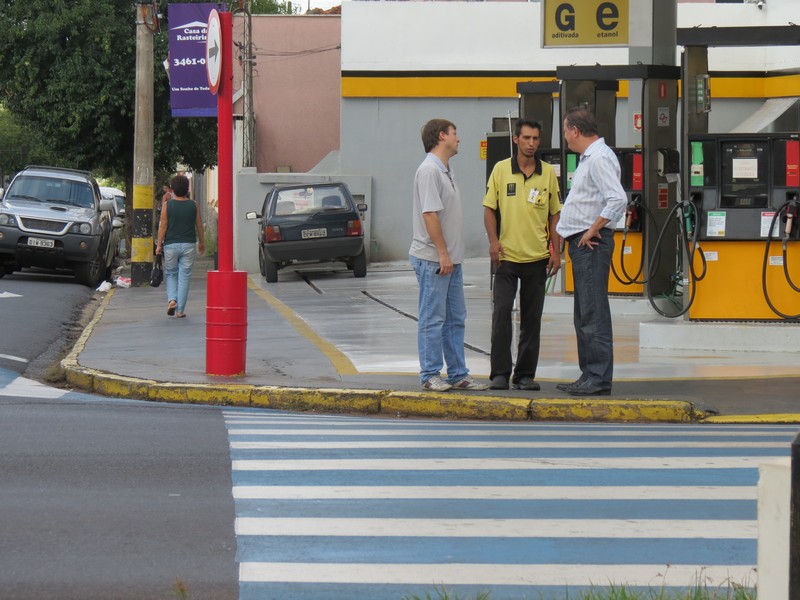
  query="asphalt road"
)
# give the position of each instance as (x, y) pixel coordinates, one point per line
(42, 312)
(114, 499)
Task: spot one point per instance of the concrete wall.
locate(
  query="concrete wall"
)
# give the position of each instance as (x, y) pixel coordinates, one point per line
(296, 89)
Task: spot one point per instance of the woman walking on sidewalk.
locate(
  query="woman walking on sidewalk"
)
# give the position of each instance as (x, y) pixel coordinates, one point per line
(180, 219)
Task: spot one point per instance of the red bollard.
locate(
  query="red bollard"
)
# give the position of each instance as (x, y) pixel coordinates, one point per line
(226, 323)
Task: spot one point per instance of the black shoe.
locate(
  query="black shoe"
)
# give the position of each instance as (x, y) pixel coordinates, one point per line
(498, 382)
(564, 387)
(588, 389)
(526, 383)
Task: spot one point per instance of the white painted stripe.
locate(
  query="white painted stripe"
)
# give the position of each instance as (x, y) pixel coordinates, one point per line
(463, 464)
(27, 388)
(496, 444)
(330, 432)
(328, 492)
(655, 576)
(500, 528)
(14, 358)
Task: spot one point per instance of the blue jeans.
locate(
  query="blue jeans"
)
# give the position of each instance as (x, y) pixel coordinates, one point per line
(592, 313)
(178, 263)
(442, 321)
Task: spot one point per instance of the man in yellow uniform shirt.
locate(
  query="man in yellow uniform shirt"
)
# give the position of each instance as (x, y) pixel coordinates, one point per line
(522, 196)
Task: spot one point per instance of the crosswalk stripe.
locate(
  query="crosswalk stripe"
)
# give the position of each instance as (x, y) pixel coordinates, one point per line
(527, 432)
(379, 502)
(494, 444)
(326, 492)
(463, 464)
(494, 574)
(499, 528)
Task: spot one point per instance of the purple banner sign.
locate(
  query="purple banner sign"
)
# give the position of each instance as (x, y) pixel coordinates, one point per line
(189, 94)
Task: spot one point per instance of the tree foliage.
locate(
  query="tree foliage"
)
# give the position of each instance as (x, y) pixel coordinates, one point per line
(69, 75)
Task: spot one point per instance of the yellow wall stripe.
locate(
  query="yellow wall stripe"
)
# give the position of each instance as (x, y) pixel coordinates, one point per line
(506, 87)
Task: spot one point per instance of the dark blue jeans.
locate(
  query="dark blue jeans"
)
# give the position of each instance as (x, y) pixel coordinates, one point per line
(592, 313)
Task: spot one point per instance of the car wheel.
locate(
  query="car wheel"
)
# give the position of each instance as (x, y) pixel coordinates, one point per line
(360, 264)
(270, 271)
(88, 273)
(261, 260)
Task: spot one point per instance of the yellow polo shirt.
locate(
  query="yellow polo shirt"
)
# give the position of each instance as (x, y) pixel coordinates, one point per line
(524, 206)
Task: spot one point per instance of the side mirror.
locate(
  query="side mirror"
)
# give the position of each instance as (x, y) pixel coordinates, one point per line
(362, 207)
(116, 223)
(252, 216)
(107, 205)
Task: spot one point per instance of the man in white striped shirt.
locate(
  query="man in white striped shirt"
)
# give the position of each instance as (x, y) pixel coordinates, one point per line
(595, 200)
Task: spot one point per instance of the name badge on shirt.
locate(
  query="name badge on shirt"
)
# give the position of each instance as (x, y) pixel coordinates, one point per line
(536, 197)
(511, 189)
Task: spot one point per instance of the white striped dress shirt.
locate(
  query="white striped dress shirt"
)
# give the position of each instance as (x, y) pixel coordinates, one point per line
(596, 191)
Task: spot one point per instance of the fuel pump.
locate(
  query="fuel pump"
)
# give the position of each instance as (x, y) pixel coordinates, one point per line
(746, 187)
(636, 266)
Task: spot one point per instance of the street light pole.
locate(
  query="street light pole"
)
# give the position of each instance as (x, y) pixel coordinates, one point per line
(143, 178)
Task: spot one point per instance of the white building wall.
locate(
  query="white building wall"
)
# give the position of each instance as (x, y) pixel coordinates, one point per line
(380, 135)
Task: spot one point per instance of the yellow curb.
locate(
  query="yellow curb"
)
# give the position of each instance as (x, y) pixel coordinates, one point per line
(199, 393)
(77, 376)
(454, 406)
(633, 411)
(323, 400)
(754, 419)
(117, 385)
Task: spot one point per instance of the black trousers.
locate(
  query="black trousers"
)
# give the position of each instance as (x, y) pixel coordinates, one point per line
(530, 279)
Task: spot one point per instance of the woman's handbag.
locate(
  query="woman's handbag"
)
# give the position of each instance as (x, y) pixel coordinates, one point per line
(157, 275)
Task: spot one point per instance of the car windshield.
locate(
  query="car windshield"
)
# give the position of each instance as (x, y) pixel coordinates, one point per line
(53, 190)
(309, 200)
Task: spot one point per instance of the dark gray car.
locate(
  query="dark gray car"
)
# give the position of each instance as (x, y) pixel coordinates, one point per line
(310, 223)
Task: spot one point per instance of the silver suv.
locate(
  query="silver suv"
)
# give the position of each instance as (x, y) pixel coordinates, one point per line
(55, 218)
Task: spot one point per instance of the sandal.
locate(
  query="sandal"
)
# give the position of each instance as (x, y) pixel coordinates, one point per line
(180, 315)
(171, 307)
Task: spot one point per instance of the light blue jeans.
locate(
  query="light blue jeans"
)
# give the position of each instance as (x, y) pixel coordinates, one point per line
(178, 263)
(442, 321)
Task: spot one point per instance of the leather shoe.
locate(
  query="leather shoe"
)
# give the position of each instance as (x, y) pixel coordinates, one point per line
(564, 387)
(498, 382)
(526, 383)
(586, 388)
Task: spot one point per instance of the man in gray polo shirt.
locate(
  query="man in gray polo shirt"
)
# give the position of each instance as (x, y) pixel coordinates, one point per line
(436, 253)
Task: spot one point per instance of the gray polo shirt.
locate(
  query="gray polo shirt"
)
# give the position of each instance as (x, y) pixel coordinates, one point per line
(435, 190)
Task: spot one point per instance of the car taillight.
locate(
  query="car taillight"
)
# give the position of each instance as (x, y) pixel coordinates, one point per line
(272, 233)
(354, 227)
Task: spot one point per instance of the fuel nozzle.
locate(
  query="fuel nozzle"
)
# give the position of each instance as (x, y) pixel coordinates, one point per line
(688, 211)
(791, 216)
(632, 211)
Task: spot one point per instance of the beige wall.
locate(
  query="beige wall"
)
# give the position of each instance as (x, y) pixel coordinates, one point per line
(296, 89)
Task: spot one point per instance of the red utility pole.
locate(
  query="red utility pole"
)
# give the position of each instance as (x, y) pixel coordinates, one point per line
(226, 298)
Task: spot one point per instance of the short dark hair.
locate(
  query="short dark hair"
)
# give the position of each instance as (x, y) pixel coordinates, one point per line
(583, 119)
(180, 185)
(526, 123)
(431, 131)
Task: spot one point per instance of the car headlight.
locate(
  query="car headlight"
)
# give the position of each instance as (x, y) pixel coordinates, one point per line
(84, 228)
(7, 220)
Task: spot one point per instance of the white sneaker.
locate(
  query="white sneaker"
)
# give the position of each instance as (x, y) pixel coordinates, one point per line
(436, 384)
(470, 384)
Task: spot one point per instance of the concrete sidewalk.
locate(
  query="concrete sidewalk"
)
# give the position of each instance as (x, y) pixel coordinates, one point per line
(321, 340)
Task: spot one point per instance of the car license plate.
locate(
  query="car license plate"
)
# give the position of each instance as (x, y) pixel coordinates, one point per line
(40, 243)
(307, 234)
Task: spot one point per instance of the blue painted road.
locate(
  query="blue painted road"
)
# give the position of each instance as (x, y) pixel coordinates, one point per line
(337, 507)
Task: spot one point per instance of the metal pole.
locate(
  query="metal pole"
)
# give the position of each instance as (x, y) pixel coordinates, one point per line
(143, 179)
